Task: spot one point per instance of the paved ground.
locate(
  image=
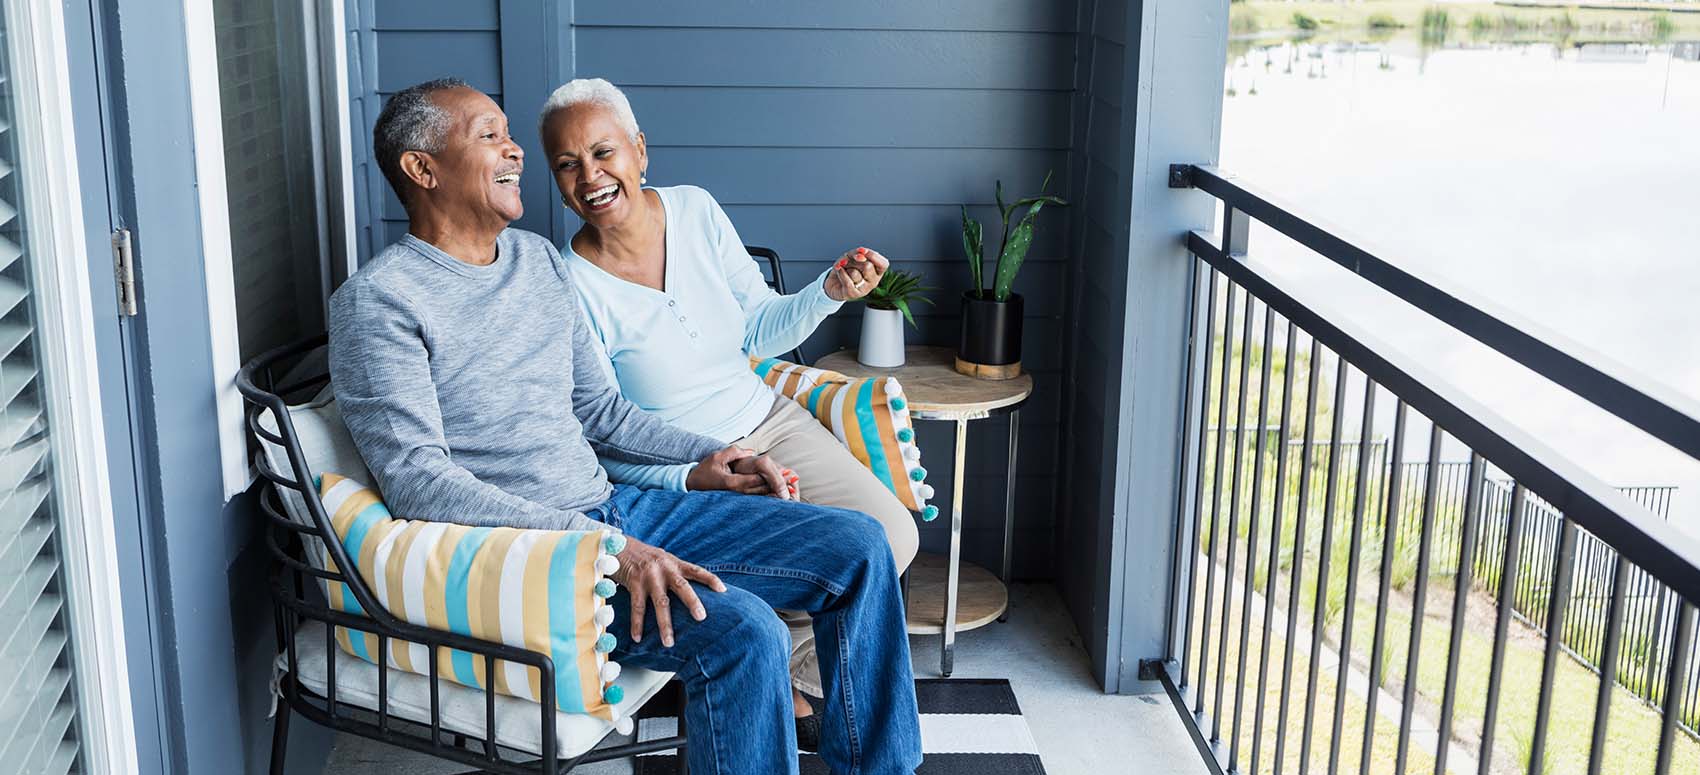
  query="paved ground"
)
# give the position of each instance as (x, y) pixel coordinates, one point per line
(1080, 730)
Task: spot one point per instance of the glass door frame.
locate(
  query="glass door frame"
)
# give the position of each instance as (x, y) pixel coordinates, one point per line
(67, 341)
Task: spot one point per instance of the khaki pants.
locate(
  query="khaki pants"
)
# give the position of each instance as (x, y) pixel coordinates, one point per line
(828, 476)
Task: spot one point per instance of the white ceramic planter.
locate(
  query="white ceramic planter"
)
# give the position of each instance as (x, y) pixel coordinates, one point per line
(882, 338)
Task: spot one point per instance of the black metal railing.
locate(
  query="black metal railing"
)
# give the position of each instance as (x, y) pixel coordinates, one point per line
(1483, 604)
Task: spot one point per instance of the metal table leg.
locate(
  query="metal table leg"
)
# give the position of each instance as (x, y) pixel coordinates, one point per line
(1009, 504)
(954, 568)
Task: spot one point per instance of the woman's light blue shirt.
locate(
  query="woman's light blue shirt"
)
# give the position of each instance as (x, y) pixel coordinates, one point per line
(681, 353)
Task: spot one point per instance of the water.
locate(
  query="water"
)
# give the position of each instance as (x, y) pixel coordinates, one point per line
(1560, 182)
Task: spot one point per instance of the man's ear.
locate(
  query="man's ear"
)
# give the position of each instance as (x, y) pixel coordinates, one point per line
(419, 168)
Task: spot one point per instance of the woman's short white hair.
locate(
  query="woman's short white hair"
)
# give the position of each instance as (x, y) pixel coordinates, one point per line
(594, 91)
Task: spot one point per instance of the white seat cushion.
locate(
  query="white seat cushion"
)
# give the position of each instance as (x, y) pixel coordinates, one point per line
(463, 707)
(326, 445)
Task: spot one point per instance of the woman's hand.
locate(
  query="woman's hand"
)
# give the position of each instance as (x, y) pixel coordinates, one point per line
(649, 573)
(739, 470)
(856, 274)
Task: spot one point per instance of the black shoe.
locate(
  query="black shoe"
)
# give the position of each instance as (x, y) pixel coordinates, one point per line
(808, 727)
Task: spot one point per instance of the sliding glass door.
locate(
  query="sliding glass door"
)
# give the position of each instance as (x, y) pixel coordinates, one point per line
(57, 624)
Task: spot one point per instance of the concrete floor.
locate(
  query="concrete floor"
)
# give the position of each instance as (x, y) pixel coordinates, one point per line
(1079, 729)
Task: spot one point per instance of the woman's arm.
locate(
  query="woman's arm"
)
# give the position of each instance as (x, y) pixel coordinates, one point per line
(648, 477)
(773, 323)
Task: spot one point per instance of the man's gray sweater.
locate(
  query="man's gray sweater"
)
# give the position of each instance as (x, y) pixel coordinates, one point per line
(472, 392)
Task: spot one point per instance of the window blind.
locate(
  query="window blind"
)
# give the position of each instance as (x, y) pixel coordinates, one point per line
(38, 713)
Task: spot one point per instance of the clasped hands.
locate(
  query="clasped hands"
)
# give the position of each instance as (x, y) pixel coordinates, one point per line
(652, 576)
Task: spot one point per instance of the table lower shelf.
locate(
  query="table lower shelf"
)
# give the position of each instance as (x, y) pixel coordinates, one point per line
(980, 597)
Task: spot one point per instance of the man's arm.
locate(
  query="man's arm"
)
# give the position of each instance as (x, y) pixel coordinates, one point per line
(381, 374)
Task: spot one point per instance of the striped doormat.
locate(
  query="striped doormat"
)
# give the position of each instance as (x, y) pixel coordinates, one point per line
(969, 726)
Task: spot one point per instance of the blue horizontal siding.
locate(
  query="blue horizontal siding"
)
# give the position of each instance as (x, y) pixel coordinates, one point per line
(977, 15)
(852, 118)
(836, 58)
(457, 15)
(408, 57)
(854, 176)
(902, 232)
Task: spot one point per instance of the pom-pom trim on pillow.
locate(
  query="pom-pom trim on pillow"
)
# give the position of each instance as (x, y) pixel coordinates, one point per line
(870, 416)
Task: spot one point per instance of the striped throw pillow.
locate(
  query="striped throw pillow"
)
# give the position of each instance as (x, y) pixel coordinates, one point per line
(541, 590)
(869, 416)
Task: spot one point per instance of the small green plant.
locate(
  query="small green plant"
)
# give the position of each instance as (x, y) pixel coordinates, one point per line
(898, 290)
(1012, 251)
(1661, 25)
(1382, 21)
(1305, 22)
(1524, 744)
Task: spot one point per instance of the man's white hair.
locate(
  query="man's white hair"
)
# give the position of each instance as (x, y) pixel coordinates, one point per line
(593, 91)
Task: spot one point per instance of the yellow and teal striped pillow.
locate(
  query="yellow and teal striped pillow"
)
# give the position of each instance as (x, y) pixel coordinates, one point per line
(869, 416)
(541, 590)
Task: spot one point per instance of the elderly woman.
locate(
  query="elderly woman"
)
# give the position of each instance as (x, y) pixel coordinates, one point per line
(679, 306)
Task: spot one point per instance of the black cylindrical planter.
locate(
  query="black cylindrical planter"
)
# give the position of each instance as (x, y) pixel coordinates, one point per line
(991, 337)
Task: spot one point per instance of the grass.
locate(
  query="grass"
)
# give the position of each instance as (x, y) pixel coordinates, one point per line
(1382, 21)
(1633, 732)
(1350, 738)
(1573, 716)
(1479, 18)
(1436, 20)
(1634, 727)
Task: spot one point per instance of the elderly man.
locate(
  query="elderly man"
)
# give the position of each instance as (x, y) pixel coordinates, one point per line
(464, 372)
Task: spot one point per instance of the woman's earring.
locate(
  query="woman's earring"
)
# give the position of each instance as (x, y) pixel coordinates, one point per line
(643, 177)
(565, 203)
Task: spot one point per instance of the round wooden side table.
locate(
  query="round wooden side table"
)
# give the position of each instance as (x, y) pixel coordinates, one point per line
(937, 392)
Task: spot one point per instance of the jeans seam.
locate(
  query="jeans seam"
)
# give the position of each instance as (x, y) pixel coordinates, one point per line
(760, 570)
(847, 686)
(708, 713)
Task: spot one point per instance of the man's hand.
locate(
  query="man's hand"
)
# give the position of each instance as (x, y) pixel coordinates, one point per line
(735, 469)
(649, 574)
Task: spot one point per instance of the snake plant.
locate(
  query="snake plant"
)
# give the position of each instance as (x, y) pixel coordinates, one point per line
(1012, 251)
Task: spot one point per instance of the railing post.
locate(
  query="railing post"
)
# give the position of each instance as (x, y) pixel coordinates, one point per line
(1236, 230)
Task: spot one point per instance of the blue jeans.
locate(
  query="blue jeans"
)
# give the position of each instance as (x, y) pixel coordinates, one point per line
(831, 563)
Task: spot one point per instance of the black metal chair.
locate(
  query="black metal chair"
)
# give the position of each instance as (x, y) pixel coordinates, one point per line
(776, 281)
(298, 603)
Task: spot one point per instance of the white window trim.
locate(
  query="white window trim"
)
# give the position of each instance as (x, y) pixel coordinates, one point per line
(328, 61)
(83, 492)
(207, 130)
(327, 38)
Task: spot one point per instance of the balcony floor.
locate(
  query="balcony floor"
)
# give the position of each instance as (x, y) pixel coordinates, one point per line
(1079, 729)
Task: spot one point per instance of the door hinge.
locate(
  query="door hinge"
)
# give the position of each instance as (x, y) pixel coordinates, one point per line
(124, 271)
